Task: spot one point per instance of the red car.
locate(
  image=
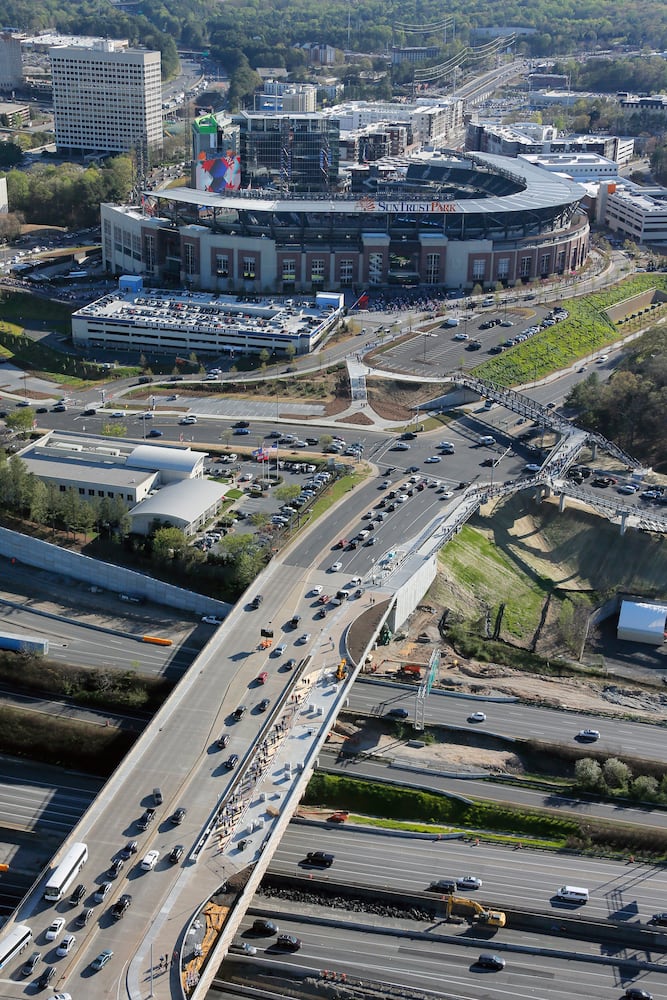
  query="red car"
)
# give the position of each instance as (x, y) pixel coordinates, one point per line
(325, 598)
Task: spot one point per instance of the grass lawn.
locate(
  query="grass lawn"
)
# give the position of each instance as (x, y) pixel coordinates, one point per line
(485, 576)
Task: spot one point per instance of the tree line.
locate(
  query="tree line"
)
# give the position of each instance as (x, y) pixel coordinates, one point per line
(630, 408)
(68, 194)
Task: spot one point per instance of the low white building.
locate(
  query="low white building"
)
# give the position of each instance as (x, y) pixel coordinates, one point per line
(642, 621)
(188, 505)
(99, 468)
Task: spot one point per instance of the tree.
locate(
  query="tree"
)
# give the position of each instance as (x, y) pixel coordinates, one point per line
(259, 519)
(616, 773)
(21, 421)
(644, 788)
(10, 154)
(290, 351)
(286, 492)
(169, 543)
(39, 503)
(325, 441)
(264, 357)
(587, 774)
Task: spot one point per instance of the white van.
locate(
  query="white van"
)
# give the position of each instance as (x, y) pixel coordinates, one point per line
(452, 321)
(572, 894)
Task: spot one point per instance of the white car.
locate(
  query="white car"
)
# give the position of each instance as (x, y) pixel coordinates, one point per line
(335, 567)
(191, 419)
(532, 467)
(117, 415)
(54, 929)
(468, 882)
(316, 591)
(212, 620)
(446, 495)
(461, 336)
(477, 717)
(65, 946)
(150, 860)
(243, 948)
(402, 498)
(602, 358)
(61, 996)
(432, 459)
(303, 639)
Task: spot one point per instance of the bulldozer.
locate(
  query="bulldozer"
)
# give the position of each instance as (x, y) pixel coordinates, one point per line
(474, 912)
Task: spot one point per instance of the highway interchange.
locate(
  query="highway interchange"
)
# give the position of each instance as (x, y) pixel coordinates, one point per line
(195, 777)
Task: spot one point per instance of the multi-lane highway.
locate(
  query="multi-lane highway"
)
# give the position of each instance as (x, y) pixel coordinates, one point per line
(392, 956)
(619, 891)
(617, 736)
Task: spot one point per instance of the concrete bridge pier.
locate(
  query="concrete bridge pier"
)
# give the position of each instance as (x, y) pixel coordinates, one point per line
(624, 521)
(561, 503)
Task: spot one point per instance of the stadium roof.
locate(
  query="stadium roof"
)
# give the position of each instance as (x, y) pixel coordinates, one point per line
(540, 189)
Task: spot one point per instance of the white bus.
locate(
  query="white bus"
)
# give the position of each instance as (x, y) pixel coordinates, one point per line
(61, 879)
(16, 941)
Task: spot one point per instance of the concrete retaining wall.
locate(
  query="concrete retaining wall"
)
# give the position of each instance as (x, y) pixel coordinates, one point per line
(63, 562)
(412, 592)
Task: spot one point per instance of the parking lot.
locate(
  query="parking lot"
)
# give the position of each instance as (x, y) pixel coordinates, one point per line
(466, 337)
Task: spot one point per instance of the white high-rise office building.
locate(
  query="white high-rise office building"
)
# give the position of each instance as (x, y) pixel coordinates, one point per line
(106, 99)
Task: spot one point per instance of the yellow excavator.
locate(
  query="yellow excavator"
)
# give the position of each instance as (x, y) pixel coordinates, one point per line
(341, 670)
(473, 911)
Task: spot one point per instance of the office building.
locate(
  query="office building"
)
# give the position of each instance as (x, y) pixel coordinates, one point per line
(106, 99)
(11, 68)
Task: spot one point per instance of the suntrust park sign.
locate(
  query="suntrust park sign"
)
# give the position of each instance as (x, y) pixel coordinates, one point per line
(409, 207)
